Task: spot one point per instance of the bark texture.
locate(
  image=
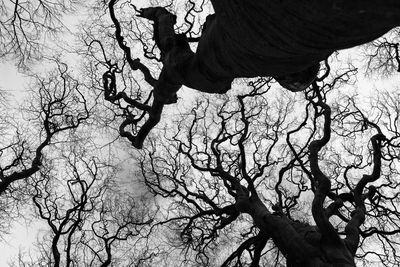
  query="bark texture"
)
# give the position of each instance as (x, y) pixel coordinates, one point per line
(301, 243)
(250, 38)
(284, 39)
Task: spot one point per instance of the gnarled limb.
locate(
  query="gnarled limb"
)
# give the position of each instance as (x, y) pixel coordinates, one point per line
(323, 183)
(358, 215)
(243, 40)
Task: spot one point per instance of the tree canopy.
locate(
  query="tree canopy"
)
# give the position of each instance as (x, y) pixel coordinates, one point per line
(255, 175)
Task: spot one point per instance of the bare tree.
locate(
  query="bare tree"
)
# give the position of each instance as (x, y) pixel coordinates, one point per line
(238, 40)
(88, 225)
(263, 178)
(56, 108)
(267, 183)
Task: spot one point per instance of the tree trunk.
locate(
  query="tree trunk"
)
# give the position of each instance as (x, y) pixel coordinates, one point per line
(271, 38)
(301, 243)
(283, 39)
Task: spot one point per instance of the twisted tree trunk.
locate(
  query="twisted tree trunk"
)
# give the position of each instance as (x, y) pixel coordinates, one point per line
(279, 38)
(250, 38)
(284, 39)
(301, 244)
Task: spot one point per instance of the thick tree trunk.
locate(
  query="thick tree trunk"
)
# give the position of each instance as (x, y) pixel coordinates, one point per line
(301, 243)
(264, 38)
(284, 39)
(279, 38)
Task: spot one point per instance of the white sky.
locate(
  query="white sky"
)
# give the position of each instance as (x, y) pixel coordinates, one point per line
(12, 82)
(22, 238)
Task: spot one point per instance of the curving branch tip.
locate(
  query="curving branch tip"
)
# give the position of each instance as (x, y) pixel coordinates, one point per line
(153, 13)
